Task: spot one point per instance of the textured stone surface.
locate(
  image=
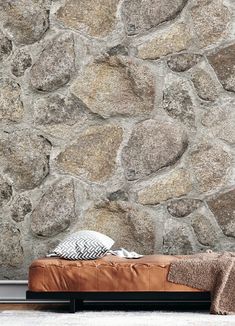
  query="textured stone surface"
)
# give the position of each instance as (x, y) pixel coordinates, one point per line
(153, 145)
(206, 87)
(5, 47)
(134, 100)
(118, 50)
(223, 207)
(116, 88)
(24, 157)
(55, 211)
(94, 17)
(204, 230)
(55, 109)
(131, 227)
(210, 165)
(171, 185)
(62, 131)
(11, 253)
(223, 62)
(24, 22)
(5, 191)
(54, 65)
(118, 195)
(142, 15)
(93, 155)
(178, 102)
(221, 121)
(20, 62)
(11, 106)
(183, 61)
(183, 207)
(177, 239)
(176, 38)
(20, 206)
(227, 245)
(43, 246)
(210, 19)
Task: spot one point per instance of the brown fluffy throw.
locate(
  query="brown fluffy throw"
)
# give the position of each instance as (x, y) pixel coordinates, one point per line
(214, 272)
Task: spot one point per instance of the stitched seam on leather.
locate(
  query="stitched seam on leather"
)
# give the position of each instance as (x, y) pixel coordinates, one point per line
(97, 279)
(149, 277)
(165, 276)
(43, 275)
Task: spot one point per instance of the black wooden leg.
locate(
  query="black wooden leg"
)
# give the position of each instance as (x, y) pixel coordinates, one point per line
(79, 304)
(72, 306)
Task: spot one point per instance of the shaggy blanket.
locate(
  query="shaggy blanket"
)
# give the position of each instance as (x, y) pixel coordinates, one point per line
(210, 271)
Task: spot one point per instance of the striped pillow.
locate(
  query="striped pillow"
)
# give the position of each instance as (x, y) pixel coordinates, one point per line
(83, 244)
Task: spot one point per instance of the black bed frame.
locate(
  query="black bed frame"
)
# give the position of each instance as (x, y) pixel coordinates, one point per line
(76, 299)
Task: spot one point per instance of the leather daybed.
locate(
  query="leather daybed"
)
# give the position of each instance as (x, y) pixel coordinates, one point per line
(108, 278)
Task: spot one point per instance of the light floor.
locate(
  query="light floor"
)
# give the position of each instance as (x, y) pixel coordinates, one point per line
(30, 315)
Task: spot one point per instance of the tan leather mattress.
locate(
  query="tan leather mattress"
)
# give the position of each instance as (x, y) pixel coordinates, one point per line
(109, 273)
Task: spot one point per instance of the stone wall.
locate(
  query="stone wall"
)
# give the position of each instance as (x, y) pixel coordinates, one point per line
(116, 116)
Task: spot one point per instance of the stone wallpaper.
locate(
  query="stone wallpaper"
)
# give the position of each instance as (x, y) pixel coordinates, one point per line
(116, 116)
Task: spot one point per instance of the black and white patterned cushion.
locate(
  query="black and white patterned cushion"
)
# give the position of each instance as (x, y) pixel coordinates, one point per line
(83, 244)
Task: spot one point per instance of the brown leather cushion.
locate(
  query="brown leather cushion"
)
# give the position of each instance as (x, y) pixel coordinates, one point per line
(109, 273)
